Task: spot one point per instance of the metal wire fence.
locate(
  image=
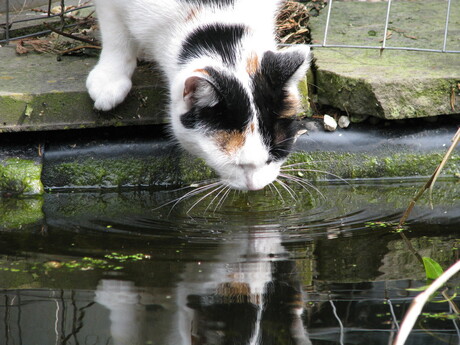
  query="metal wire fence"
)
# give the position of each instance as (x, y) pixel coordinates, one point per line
(7, 23)
(384, 46)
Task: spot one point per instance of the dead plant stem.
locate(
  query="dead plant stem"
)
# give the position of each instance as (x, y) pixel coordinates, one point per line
(431, 181)
(65, 34)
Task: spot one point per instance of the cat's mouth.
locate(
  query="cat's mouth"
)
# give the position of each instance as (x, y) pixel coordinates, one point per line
(250, 178)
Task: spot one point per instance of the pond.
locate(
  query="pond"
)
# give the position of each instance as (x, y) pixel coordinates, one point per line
(281, 266)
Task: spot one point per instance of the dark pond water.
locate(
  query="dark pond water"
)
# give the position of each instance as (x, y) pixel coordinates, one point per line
(268, 267)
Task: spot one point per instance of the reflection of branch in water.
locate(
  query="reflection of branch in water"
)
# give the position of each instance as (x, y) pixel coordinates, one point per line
(77, 321)
(18, 295)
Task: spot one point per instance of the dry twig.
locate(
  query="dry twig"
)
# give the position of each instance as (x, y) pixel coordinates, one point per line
(429, 184)
(65, 34)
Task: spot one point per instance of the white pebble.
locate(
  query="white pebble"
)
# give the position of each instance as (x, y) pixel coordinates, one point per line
(344, 121)
(329, 123)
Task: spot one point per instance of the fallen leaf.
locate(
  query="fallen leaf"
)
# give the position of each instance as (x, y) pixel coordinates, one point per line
(411, 37)
(20, 49)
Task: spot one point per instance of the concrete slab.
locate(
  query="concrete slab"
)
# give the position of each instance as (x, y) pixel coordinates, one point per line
(395, 84)
(38, 92)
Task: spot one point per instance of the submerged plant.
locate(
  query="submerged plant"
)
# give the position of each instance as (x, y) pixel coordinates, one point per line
(111, 262)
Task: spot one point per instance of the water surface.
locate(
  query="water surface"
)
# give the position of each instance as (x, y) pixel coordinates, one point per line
(268, 267)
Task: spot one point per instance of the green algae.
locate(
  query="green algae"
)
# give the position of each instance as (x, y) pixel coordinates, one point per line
(20, 176)
(131, 172)
(327, 165)
(20, 212)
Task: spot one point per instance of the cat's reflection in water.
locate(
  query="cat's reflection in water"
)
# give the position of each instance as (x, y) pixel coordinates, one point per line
(250, 295)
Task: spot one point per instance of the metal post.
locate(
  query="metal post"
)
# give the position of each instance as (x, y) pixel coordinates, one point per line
(62, 14)
(329, 8)
(447, 27)
(7, 25)
(384, 42)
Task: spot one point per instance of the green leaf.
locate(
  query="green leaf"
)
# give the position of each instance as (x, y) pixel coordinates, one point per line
(432, 269)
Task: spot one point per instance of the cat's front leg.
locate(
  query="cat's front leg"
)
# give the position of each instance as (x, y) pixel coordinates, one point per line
(107, 86)
(110, 81)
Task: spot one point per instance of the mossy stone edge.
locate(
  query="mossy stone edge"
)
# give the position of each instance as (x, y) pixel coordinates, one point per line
(186, 170)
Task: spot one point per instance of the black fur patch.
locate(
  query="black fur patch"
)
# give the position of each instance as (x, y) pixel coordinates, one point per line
(219, 39)
(231, 113)
(279, 67)
(272, 100)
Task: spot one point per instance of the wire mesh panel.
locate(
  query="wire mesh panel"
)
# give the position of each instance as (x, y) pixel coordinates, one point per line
(21, 19)
(19, 13)
(382, 21)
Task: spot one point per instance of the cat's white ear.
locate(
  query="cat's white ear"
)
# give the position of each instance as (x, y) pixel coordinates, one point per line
(199, 92)
(304, 55)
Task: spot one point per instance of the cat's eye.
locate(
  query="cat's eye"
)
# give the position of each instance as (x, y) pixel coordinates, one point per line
(269, 161)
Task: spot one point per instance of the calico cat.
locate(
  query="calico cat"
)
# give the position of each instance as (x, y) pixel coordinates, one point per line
(232, 94)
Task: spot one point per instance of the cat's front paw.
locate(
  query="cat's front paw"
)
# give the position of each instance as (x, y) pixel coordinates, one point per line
(107, 89)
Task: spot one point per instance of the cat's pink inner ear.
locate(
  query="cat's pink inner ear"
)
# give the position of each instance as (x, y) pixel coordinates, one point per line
(190, 86)
(199, 92)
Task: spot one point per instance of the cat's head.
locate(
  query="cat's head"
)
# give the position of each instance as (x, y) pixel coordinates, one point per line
(242, 122)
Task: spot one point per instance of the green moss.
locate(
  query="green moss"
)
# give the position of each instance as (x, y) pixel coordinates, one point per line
(20, 176)
(11, 109)
(352, 95)
(183, 169)
(323, 165)
(17, 213)
(113, 172)
(305, 94)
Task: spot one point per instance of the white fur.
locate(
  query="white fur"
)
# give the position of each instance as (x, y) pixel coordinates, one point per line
(155, 30)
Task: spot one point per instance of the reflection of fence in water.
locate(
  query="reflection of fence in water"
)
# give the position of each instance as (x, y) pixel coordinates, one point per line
(7, 23)
(348, 314)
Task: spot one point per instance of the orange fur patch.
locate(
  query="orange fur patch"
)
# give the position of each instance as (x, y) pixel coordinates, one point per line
(200, 70)
(292, 107)
(233, 289)
(252, 63)
(230, 141)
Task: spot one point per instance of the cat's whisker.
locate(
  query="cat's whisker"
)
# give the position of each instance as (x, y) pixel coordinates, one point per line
(270, 186)
(189, 194)
(298, 181)
(192, 193)
(284, 140)
(277, 191)
(300, 164)
(283, 169)
(304, 184)
(195, 185)
(287, 188)
(222, 189)
(223, 198)
(205, 196)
